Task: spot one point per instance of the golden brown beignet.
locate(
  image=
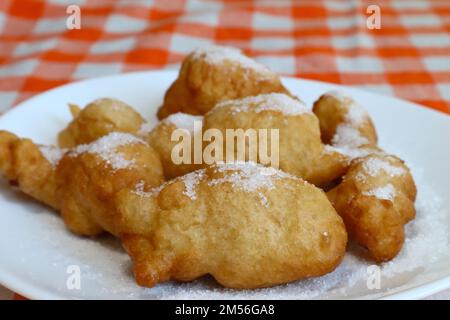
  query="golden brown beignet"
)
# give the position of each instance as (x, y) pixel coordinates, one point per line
(376, 199)
(343, 122)
(213, 74)
(301, 151)
(82, 182)
(247, 225)
(98, 119)
(89, 176)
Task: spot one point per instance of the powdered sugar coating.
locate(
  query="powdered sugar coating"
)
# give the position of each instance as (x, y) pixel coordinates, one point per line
(347, 133)
(245, 176)
(185, 121)
(139, 189)
(213, 54)
(386, 192)
(356, 114)
(145, 129)
(374, 166)
(271, 101)
(351, 153)
(250, 177)
(191, 181)
(52, 154)
(263, 199)
(348, 136)
(106, 146)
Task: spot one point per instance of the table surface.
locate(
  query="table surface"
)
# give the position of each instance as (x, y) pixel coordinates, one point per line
(338, 41)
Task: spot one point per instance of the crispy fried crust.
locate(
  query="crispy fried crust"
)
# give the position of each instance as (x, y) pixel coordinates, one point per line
(376, 199)
(205, 223)
(373, 221)
(202, 83)
(80, 185)
(97, 119)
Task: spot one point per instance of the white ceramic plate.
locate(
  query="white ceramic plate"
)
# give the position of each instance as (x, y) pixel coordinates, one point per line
(36, 249)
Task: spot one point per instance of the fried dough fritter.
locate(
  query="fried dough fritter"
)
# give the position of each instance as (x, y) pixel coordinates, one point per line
(81, 183)
(376, 199)
(98, 119)
(301, 151)
(247, 225)
(213, 74)
(89, 176)
(376, 196)
(30, 166)
(343, 122)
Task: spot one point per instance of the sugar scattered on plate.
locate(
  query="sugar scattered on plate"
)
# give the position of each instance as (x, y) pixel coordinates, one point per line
(106, 148)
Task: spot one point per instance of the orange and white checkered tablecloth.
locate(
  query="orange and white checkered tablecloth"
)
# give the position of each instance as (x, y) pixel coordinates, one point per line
(327, 40)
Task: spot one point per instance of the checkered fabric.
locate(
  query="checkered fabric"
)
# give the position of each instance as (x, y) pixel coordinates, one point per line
(408, 57)
(327, 40)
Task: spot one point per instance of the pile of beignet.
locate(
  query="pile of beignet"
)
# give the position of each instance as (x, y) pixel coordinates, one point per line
(245, 223)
